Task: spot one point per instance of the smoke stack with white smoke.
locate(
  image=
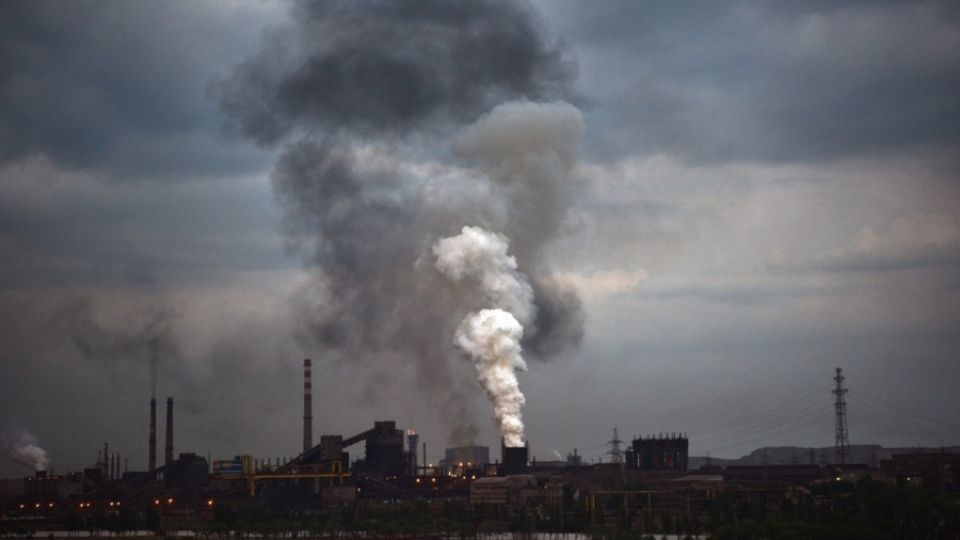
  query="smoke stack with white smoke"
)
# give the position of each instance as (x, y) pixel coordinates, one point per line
(491, 337)
(25, 450)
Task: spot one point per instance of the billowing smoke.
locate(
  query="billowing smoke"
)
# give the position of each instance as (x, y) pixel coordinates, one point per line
(359, 96)
(481, 256)
(23, 449)
(491, 337)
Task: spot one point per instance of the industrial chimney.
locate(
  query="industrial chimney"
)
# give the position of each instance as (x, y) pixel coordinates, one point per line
(412, 440)
(307, 407)
(153, 434)
(168, 450)
(513, 459)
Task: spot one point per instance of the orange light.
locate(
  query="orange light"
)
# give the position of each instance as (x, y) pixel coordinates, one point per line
(170, 500)
(37, 505)
(209, 502)
(156, 502)
(50, 505)
(22, 506)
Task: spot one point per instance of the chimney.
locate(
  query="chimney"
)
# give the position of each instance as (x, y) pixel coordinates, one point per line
(307, 407)
(153, 435)
(105, 464)
(412, 440)
(168, 449)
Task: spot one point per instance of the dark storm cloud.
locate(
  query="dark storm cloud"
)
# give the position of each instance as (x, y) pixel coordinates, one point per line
(114, 86)
(385, 67)
(350, 79)
(769, 81)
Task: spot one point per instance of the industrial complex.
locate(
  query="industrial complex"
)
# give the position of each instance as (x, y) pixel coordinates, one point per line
(646, 483)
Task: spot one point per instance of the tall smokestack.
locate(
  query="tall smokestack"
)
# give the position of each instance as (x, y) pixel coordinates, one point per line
(412, 440)
(168, 449)
(153, 435)
(307, 407)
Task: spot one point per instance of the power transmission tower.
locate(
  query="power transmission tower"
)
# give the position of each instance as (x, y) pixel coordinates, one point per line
(616, 456)
(842, 443)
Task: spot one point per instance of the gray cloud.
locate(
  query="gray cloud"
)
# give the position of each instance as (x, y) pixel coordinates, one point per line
(85, 84)
(768, 81)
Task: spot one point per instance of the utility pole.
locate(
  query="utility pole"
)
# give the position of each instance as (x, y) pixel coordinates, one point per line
(842, 443)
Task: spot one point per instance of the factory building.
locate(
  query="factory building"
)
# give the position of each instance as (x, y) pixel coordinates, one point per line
(938, 470)
(658, 453)
(189, 472)
(384, 450)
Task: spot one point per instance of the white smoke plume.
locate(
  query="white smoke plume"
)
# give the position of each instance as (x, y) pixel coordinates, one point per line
(24, 450)
(491, 337)
(482, 256)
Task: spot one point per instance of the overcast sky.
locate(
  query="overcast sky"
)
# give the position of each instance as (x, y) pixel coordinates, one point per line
(762, 192)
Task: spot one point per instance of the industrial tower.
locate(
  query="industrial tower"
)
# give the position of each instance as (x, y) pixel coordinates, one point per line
(840, 410)
(307, 407)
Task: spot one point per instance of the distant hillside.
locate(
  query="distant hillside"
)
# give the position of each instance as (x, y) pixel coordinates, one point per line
(869, 454)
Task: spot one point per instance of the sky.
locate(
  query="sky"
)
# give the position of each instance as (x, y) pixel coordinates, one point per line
(715, 205)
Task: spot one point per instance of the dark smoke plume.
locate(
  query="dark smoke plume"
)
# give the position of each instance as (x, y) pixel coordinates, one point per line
(350, 87)
(377, 68)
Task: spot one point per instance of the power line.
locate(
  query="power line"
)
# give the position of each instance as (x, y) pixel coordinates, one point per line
(903, 411)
